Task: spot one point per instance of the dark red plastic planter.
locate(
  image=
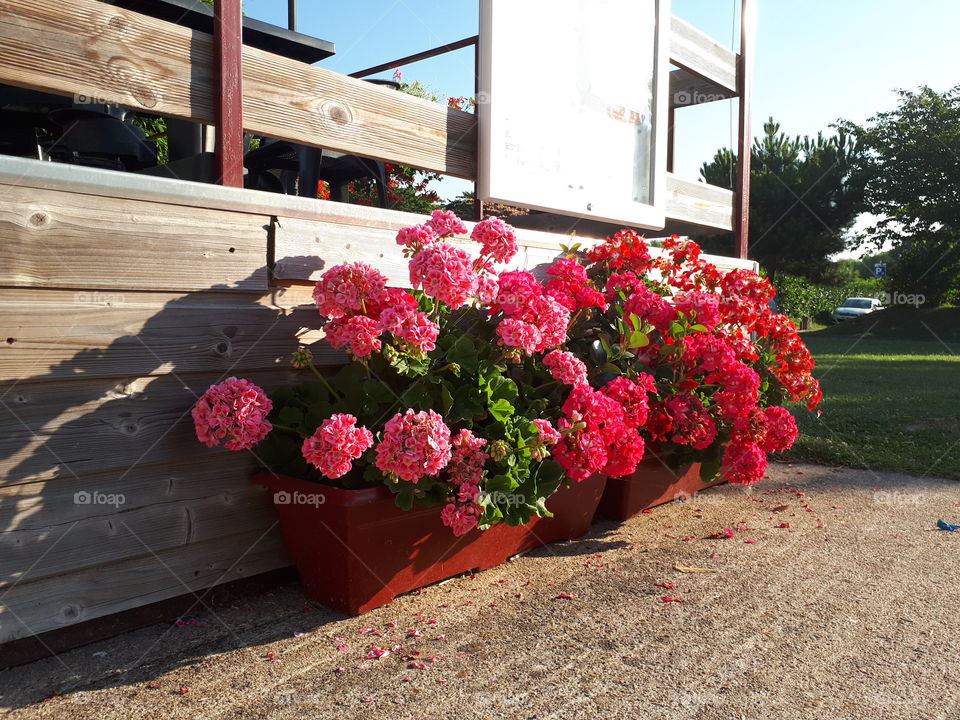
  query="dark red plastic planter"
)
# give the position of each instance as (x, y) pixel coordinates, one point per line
(356, 550)
(652, 484)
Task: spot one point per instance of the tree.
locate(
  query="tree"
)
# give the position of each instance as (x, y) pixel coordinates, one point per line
(912, 168)
(804, 196)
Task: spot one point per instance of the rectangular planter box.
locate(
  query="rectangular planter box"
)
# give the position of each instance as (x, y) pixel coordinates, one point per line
(356, 550)
(652, 484)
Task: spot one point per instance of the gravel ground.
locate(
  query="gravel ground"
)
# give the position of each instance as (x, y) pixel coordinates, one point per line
(836, 597)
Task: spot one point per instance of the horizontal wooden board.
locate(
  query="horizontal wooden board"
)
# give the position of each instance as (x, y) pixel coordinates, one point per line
(39, 504)
(124, 58)
(59, 334)
(304, 249)
(698, 204)
(55, 602)
(117, 532)
(687, 89)
(66, 428)
(701, 55)
(50, 238)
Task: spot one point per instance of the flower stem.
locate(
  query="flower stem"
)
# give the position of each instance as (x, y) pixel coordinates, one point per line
(285, 428)
(326, 384)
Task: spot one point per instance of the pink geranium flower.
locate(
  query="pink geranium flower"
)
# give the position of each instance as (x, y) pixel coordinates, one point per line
(233, 412)
(335, 444)
(414, 445)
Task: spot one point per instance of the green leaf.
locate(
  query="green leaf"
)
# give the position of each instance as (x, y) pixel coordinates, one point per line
(677, 328)
(463, 352)
(638, 340)
(709, 470)
(699, 328)
(501, 388)
(405, 499)
(290, 416)
(446, 398)
(500, 410)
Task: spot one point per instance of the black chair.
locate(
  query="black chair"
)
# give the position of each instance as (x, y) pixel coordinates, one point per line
(294, 169)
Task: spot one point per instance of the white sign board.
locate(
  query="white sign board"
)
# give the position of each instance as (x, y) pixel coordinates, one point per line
(573, 106)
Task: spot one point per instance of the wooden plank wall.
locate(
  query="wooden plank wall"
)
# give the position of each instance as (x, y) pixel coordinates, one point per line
(114, 316)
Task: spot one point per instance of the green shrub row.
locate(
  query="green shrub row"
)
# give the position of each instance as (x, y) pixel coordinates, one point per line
(798, 297)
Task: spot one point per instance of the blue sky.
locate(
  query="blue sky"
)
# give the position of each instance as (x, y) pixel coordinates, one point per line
(816, 61)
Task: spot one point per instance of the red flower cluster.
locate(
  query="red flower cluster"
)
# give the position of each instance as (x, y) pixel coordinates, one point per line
(706, 334)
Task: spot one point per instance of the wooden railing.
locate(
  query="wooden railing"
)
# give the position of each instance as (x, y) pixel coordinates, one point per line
(85, 47)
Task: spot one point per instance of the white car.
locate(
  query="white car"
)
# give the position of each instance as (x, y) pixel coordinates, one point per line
(853, 308)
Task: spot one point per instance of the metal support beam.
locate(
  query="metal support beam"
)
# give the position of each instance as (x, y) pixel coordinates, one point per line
(228, 48)
(744, 135)
(425, 55)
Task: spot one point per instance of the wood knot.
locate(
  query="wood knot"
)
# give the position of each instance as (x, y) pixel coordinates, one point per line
(39, 219)
(337, 113)
(118, 24)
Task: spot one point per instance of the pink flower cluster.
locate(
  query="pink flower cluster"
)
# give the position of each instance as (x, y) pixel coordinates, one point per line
(361, 308)
(233, 412)
(336, 444)
(703, 308)
(547, 437)
(412, 327)
(346, 289)
(445, 273)
(566, 367)
(414, 445)
(465, 472)
(534, 320)
(496, 238)
(650, 307)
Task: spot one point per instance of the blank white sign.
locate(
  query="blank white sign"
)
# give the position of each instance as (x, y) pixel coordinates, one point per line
(573, 105)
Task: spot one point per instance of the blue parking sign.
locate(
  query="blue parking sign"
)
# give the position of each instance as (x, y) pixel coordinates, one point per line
(880, 270)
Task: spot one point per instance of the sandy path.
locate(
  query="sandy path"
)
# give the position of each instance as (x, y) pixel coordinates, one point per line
(850, 612)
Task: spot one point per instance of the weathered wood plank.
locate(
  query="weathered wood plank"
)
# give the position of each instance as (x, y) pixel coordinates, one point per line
(54, 602)
(687, 89)
(124, 58)
(35, 505)
(50, 238)
(304, 249)
(57, 334)
(700, 54)
(66, 428)
(699, 204)
(117, 532)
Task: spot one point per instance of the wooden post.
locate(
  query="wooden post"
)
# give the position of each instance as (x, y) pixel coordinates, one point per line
(744, 137)
(228, 46)
(477, 202)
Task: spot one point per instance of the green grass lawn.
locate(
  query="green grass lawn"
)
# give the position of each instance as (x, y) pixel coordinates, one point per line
(891, 385)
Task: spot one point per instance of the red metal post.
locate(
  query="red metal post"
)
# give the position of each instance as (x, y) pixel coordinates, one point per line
(744, 137)
(228, 60)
